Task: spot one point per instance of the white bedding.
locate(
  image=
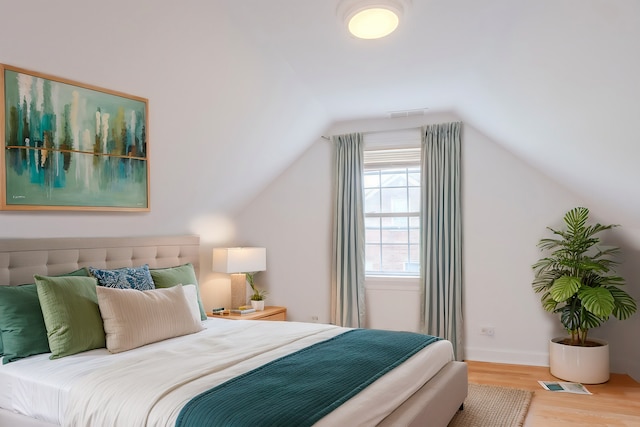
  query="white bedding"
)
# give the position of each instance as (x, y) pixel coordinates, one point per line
(42, 388)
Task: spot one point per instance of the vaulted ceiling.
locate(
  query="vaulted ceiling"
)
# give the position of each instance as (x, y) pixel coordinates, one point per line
(555, 82)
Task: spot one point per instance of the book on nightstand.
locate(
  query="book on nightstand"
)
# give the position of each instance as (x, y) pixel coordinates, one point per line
(242, 310)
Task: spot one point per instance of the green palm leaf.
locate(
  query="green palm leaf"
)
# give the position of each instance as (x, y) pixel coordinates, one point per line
(598, 301)
(544, 280)
(576, 219)
(624, 304)
(590, 320)
(564, 288)
(611, 281)
(548, 303)
(569, 317)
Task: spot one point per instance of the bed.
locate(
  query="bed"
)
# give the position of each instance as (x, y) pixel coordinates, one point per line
(425, 390)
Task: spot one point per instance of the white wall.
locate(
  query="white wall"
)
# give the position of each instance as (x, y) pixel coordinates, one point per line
(292, 219)
(215, 102)
(507, 206)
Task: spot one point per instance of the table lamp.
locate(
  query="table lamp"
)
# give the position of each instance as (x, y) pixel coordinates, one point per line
(238, 262)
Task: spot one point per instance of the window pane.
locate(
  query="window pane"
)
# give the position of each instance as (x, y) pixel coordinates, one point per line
(371, 179)
(414, 177)
(414, 255)
(372, 201)
(394, 178)
(394, 200)
(414, 230)
(414, 199)
(396, 222)
(372, 230)
(394, 257)
(394, 230)
(396, 236)
(372, 258)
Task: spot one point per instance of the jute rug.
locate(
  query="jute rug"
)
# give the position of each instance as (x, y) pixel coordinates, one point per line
(489, 406)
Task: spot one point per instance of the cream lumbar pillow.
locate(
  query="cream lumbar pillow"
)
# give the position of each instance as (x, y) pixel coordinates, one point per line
(134, 318)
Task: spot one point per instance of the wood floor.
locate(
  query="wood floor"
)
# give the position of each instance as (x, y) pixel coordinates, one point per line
(615, 403)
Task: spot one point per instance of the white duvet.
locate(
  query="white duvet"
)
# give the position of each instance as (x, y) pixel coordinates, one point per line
(150, 385)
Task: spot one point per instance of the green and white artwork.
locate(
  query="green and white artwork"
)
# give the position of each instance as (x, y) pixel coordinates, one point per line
(72, 146)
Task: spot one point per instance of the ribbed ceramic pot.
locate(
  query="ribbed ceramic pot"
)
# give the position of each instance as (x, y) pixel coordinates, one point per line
(258, 305)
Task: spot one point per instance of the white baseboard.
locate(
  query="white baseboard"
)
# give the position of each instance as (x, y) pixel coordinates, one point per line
(506, 356)
(539, 359)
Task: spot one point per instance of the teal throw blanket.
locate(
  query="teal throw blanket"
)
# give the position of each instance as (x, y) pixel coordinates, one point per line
(301, 388)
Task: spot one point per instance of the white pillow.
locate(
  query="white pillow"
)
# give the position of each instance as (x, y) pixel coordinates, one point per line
(191, 294)
(134, 318)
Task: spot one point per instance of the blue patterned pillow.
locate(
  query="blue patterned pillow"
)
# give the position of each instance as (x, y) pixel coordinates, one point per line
(124, 278)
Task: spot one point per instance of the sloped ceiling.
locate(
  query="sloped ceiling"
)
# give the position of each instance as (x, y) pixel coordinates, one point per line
(555, 82)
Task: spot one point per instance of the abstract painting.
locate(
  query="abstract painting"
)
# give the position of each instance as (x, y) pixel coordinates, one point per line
(71, 146)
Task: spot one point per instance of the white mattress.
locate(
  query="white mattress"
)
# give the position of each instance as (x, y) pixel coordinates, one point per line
(40, 388)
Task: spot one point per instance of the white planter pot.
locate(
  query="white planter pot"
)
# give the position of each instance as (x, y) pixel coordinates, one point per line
(258, 305)
(587, 365)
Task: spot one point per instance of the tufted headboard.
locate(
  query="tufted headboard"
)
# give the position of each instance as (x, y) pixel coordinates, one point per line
(20, 259)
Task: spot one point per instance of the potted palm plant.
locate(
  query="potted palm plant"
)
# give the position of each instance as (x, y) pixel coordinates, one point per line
(577, 281)
(258, 295)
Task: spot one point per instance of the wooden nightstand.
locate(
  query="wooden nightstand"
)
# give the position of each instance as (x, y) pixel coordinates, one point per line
(270, 312)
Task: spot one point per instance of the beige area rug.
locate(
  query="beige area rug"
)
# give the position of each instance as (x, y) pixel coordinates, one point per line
(489, 406)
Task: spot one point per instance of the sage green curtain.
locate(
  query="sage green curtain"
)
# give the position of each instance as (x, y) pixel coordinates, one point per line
(441, 234)
(347, 296)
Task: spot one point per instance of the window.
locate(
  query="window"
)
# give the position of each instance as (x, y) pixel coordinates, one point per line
(392, 212)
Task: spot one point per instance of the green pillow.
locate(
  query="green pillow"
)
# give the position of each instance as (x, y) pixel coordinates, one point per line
(71, 314)
(22, 329)
(180, 275)
(21, 323)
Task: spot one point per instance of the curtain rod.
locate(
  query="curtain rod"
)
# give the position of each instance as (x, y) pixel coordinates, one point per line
(379, 131)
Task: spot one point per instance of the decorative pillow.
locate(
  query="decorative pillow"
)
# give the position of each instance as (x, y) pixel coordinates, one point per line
(124, 278)
(71, 314)
(133, 318)
(22, 329)
(191, 294)
(180, 275)
(21, 323)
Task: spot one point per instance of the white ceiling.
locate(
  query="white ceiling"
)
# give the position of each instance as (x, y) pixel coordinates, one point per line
(556, 82)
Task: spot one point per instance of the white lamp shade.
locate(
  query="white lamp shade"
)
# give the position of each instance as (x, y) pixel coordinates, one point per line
(239, 260)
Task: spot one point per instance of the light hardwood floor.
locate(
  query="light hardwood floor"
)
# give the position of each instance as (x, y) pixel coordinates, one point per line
(615, 403)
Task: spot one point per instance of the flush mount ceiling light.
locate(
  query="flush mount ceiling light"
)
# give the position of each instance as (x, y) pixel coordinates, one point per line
(371, 19)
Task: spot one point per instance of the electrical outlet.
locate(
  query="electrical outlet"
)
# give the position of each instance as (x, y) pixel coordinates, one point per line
(314, 319)
(487, 330)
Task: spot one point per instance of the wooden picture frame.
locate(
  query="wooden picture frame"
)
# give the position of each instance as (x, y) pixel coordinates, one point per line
(70, 145)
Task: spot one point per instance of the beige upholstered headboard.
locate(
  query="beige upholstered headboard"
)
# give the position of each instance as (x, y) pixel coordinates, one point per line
(20, 259)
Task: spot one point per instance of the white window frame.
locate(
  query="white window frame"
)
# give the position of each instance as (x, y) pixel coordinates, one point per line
(393, 149)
